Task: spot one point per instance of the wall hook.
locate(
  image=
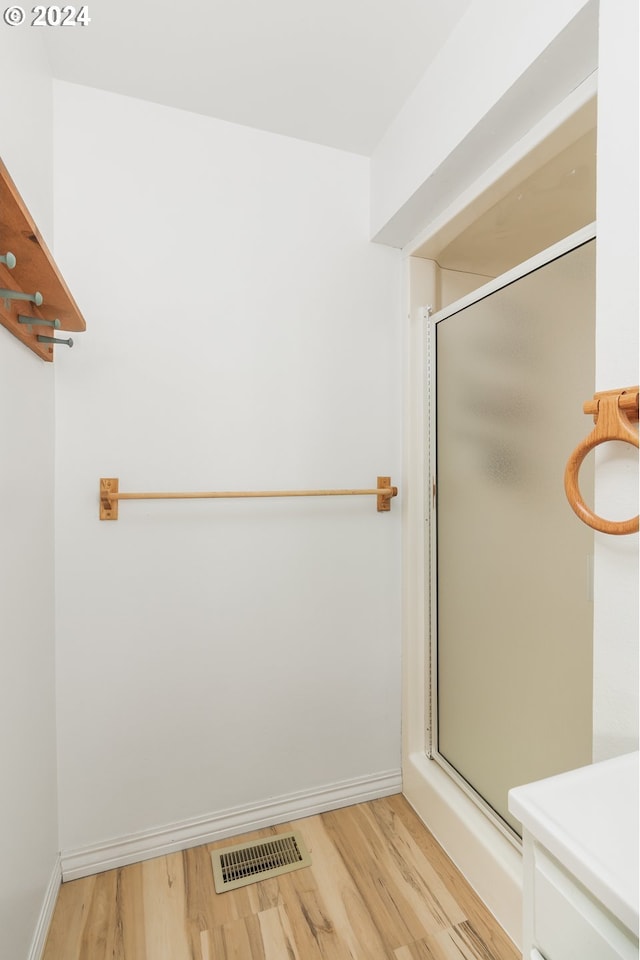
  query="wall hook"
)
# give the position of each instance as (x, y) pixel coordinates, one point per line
(9, 295)
(9, 259)
(38, 322)
(41, 339)
(613, 411)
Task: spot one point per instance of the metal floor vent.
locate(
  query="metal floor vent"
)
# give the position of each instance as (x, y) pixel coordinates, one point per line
(249, 862)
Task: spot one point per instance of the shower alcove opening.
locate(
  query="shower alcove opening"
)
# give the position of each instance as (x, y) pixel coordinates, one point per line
(535, 198)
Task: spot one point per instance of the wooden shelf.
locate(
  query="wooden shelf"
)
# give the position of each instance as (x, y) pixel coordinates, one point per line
(35, 270)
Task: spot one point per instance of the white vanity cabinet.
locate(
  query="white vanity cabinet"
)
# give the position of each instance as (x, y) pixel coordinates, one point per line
(580, 887)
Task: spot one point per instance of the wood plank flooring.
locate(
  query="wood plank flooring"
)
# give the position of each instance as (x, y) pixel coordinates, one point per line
(379, 888)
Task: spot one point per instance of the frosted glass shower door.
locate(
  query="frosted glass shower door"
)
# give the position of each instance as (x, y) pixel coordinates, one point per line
(514, 614)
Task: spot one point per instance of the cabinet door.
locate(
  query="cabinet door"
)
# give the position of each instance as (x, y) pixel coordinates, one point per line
(569, 924)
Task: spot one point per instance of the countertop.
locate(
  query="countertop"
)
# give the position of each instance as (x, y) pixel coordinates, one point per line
(588, 820)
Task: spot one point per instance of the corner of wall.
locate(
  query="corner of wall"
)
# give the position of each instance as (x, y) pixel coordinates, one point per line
(28, 804)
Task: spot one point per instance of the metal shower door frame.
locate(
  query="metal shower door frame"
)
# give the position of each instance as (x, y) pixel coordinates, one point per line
(557, 250)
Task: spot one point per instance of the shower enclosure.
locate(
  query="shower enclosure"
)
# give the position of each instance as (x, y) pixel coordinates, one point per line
(511, 612)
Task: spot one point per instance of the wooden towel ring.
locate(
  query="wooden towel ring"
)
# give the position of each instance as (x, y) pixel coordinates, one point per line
(613, 411)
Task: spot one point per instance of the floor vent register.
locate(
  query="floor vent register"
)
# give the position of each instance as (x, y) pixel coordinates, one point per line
(246, 863)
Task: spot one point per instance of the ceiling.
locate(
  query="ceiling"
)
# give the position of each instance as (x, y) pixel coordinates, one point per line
(335, 72)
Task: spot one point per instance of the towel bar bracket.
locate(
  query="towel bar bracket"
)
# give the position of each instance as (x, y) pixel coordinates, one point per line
(627, 402)
(108, 506)
(383, 501)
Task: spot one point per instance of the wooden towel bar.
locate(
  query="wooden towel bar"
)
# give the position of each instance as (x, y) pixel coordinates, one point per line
(110, 495)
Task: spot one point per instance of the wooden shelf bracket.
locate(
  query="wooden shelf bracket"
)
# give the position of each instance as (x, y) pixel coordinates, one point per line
(26, 265)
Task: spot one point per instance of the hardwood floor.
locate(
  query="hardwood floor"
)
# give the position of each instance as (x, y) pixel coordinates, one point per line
(379, 888)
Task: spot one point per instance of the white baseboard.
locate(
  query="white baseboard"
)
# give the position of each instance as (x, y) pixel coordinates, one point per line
(226, 823)
(46, 913)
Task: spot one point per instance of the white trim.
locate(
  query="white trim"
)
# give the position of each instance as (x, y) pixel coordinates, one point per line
(46, 912)
(431, 539)
(421, 283)
(171, 838)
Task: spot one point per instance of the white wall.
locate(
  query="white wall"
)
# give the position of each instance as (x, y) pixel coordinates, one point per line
(506, 64)
(242, 334)
(28, 802)
(615, 692)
